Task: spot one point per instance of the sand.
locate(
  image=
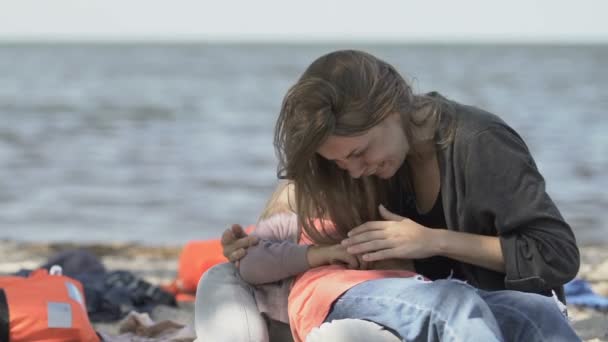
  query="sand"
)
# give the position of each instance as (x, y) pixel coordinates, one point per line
(158, 265)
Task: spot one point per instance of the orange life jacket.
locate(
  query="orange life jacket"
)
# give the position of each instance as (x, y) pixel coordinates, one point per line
(195, 259)
(43, 307)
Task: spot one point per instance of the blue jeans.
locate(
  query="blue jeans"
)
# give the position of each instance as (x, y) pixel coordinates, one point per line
(450, 310)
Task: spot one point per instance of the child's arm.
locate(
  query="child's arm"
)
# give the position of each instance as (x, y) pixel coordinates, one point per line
(277, 256)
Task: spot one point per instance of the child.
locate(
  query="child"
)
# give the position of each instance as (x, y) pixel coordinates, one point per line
(328, 286)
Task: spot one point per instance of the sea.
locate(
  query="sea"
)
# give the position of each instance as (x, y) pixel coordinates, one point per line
(162, 143)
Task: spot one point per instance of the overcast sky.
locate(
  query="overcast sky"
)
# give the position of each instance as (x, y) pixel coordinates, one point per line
(283, 20)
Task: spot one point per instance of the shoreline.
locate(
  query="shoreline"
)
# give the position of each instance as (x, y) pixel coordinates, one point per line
(158, 265)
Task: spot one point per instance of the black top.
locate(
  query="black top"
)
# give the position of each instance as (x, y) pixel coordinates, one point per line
(436, 267)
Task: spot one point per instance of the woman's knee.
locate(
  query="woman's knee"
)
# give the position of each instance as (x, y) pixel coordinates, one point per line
(529, 316)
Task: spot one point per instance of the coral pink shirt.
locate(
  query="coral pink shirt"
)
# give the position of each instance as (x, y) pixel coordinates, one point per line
(314, 292)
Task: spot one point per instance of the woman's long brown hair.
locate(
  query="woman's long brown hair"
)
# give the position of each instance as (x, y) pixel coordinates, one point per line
(343, 93)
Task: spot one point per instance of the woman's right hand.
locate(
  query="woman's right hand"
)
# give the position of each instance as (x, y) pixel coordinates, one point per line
(235, 243)
(332, 255)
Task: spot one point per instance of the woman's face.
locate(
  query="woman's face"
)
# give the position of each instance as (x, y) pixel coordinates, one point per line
(380, 151)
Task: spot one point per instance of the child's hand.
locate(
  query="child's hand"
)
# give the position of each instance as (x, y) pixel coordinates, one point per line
(235, 243)
(331, 255)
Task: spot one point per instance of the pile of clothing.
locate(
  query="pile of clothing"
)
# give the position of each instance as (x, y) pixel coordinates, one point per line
(84, 283)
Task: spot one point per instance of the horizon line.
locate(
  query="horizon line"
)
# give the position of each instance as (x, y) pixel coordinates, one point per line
(143, 40)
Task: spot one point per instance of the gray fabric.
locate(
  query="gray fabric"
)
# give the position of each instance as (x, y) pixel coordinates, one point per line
(490, 185)
(277, 256)
(273, 263)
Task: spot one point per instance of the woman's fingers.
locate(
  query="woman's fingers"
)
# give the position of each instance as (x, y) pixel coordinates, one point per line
(370, 246)
(382, 255)
(350, 261)
(364, 237)
(367, 226)
(389, 215)
(339, 256)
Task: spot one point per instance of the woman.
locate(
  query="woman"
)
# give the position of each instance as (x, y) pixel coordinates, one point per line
(464, 194)
(351, 136)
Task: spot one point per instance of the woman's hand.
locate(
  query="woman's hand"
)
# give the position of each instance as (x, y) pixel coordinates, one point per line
(332, 255)
(235, 243)
(397, 237)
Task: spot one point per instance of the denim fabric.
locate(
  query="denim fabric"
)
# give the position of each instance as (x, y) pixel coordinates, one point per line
(450, 310)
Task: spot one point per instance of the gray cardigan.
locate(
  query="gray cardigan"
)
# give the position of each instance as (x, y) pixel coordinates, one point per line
(490, 185)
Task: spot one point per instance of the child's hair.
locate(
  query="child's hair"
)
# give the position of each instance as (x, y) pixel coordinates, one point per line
(281, 201)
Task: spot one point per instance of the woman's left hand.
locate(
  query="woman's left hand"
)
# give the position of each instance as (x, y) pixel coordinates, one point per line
(397, 237)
